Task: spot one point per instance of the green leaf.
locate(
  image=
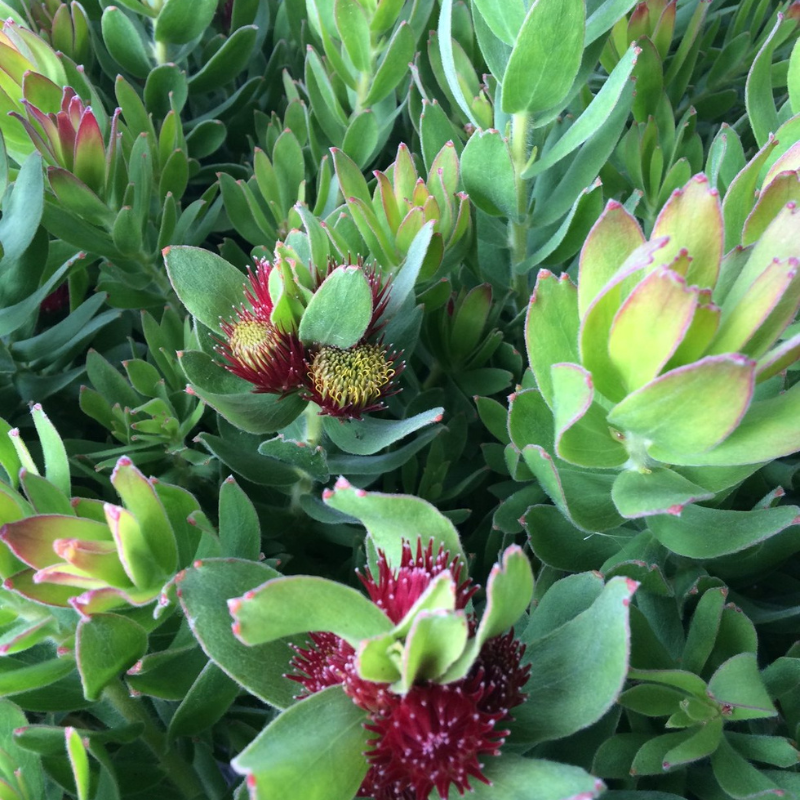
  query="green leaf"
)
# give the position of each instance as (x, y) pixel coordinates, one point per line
(737, 683)
(766, 749)
(759, 100)
(56, 463)
(28, 764)
(404, 281)
(503, 17)
(592, 118)
(362, 137)
(239, 529)
(692, 218)
(324, 323)
(180, 21)
(105, 646)
(436, 639)
(314, 751)
(650, 325)
(353, 28)
(392, 518)
(79, 762)
(670, 414)
(578, 670)
(551, 330)
(657, 491)
(514, 778)
(703, 629)
(724, 531)
(603, 17)
(368, 436)
(204, 593)
(206, 284)
(124, 42)
(233, 398)
(204, 704)
(738, 778)
(230, 60)
(793, 78)
(399, 52)
(488, 174)
(448, 61)
(546, 56)
(302, 603)
(562, 601)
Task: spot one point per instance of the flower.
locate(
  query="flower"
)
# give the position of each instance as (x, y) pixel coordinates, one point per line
(255, 349)
(349, 382)
(343, 382)
(434, 735)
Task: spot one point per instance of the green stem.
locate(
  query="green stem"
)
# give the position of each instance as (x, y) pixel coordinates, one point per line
(518, 232)
(313, 436)
(180, 773)
(362, 91)
(160, 51)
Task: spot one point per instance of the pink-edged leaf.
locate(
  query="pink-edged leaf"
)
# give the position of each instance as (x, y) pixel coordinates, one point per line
(781, 317)
(784, 188)
(583, 497)
(787, 162)
(690, 409)
(599, 317)
(740, 323)
(32, 539)
(49, 127)
(692, 218)
(67, 575)
(551, 327)
(141, 500)
(134, 553)
(583, 436)
(41, 92)
(48, 594)
(14, 63)
(613, 238)
(25, 635)
(658, 491)
(96, 601)
(777, 360)
(385, 193)
(98, 559)
(779, 241)
(768, 431)
(650, 325)
(75, 196)
(89, 163)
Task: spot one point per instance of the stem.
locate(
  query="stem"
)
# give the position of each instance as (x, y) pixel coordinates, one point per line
(160, 52)
(179, 772)
(313, 435)
(518, 232)
(362, 91)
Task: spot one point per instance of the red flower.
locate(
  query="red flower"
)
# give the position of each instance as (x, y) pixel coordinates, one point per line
(395, 592)
(432, 737)
(435, 735)
(254, 349)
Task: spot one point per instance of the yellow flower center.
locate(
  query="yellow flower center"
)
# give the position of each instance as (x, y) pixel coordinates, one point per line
(355, 376)
(251, 341)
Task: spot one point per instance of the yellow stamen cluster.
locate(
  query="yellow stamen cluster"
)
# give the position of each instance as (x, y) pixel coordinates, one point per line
(252, 341)
(351, 377)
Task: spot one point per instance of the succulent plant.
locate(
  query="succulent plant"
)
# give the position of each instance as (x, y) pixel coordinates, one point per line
(658, 376)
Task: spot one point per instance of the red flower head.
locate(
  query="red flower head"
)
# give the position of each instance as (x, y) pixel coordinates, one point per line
(434, 735)
(254, 349)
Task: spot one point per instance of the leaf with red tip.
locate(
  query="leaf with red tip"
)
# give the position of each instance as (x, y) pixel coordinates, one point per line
(692, 218)
(312, 750)
(98, 559)
(690, 409)
(302, 603)
(775, 361)
(391, 518)
(89, 164)
(563, 701)
(742, 327)
(650, 325)
(48, 594)
(615, 235)
(769, 430)
(132, 546)
(32, 539)
(786, 162)
(583, 436)
(658, 491)
(783, 189)
(142, 501)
